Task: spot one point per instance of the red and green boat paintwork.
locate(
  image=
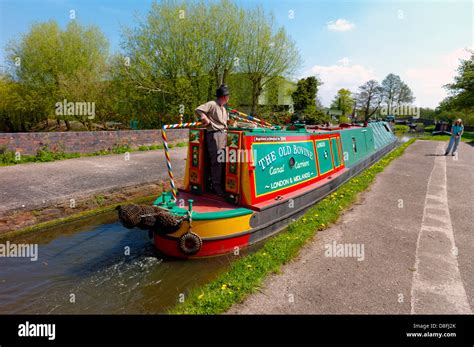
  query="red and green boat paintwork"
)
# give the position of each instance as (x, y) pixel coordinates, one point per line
(271, 177)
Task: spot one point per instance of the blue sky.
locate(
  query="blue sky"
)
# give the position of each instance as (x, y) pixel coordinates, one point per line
(345, 43)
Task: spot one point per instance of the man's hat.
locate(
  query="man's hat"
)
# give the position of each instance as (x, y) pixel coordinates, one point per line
(222, 91)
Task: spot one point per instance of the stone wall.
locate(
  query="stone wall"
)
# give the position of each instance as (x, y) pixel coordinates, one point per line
(86, 141)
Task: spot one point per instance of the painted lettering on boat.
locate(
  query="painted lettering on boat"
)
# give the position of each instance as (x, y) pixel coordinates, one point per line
(285, 151)
(302, 164)
(267, 160)
(269, 139)
(277, 170)
(282, 165)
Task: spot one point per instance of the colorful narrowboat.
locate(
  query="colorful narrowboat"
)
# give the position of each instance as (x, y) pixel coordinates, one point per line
(272, 175)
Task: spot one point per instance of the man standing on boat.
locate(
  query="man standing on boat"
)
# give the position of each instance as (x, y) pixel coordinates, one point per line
(213, 115)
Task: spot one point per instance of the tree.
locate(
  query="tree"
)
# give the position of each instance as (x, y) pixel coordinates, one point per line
(267, 52)
(404, 95)
(460, 102)
(305, 93)
(462, 90)
(304, 100)
(164, 47)
(223, 38)
(183, 51)
(369, 98)
(169, 63)
(51, 64)
(343, 101)
(391, 89)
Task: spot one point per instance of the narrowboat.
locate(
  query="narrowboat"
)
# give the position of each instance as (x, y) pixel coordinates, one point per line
(272, 176)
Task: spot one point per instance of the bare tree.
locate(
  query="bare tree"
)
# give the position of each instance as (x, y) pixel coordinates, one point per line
(391, 88)
(404, 95)
(369, 98)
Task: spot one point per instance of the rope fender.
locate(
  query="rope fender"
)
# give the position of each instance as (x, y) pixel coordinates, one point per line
(149, 218)
(190, 243)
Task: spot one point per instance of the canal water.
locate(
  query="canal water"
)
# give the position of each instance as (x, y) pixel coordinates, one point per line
(83, 267)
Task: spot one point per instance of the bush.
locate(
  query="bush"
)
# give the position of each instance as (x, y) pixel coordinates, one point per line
(7, 157)
(344, 119)
(120, 149)
(44, 155)
(430, 128)
(153, 147)
(401, 129)
(277, 118)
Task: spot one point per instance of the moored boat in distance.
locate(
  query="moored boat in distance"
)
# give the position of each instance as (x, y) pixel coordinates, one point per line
(272, 175)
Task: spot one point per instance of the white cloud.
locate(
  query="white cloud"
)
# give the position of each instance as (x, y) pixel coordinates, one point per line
(344, 61)
(335, 77)
(427, 81)
(340, 24)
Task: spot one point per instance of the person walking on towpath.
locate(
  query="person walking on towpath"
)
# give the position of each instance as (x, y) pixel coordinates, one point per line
(456, 133)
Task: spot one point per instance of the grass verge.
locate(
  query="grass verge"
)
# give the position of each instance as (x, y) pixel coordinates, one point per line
(466, 137)
(8, 158)
(247, 273)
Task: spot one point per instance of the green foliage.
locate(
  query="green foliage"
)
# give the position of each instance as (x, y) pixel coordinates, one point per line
(427, 113)
(312, 115)
(277, 118)
(99, 199)
(305, 93)
(344, 102)
(401, 129)
(304, 101)
(7, 157)
(170, 62)
(120, 149)
(344, 119)
(48, 65)
(430, 128)
(466, 137)
(267, 52)
(42, 155)
(45, 155)
(460, 104)
(462, 89)
(101, 152)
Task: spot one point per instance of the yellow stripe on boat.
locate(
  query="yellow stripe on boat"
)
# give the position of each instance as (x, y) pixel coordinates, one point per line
(216, 227)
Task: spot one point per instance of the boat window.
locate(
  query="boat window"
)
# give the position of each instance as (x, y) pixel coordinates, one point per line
(354, 144)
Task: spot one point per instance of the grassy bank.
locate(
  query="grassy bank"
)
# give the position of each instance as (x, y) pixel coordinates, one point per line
(45, 155)
(466, 137)
(247, 273)
(77, 216)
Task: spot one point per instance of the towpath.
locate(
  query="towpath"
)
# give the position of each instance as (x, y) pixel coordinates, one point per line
(42, 184)
(415, 225)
